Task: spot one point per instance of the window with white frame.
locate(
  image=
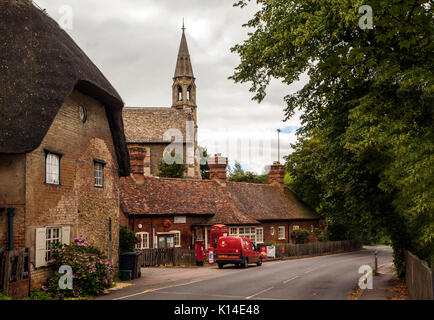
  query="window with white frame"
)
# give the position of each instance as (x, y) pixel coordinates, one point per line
(259, 235)
(142, 240)
(295, 227)
(281, 233)
(311, 228)
(272, 231)
(247, 232)
(176, 238)
(98, 166)
(52, 236)
(52, 168)
(45, 239)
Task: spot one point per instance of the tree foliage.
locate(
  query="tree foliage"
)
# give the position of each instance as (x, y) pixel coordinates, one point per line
(364, 157)
(238, 174)
(176, 169)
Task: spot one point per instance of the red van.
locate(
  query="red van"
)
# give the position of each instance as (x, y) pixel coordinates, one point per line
(237, 250)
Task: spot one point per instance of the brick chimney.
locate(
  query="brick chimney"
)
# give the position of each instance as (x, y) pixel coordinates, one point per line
(137, 161)
(217, 167)
(277, 173)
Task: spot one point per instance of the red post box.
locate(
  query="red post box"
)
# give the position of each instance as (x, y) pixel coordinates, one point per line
(200, 252)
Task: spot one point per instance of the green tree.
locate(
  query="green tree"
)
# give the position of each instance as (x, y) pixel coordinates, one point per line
(237, 174)
(204, 168)
(364, 156)
(176, 169)
(127, 240)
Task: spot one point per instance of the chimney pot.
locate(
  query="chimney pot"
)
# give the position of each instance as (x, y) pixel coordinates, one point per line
(217, 167)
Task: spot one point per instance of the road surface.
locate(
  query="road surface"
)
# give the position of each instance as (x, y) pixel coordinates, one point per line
(331, 277)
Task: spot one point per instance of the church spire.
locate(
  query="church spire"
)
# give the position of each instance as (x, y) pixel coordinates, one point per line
(183, 64)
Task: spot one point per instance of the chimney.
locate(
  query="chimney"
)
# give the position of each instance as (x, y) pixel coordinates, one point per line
(277, 173)
(137, 161)
(217, 167)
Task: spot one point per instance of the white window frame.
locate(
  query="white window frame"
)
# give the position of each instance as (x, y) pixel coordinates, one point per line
(140, 244)
(272, 231)
(98, 173)
(236, 232)
(43, 244)
(176, 233)
(52, 168)
(295, 227)
(311, 228)
(260, 237)
(279, 230)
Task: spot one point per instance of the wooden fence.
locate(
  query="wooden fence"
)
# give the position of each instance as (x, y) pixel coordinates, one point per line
(14, 266)
(315, 248)
(165, 257)
(418, 278)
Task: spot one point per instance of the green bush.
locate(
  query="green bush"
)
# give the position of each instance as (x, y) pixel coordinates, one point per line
(40, 294)
(127, 240)
(4, 296)
(91, 273)
(300, 235)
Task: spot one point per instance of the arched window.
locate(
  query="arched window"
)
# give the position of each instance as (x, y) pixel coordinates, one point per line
(189, 93)
(179, 93)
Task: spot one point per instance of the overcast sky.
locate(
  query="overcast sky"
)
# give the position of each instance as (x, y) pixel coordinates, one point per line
(135, 44)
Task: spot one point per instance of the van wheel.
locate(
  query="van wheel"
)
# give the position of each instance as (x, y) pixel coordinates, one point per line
(259, 263)
(245, 263)
(220, 265)
(237, 265)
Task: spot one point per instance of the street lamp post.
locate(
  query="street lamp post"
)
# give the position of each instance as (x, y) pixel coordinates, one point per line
(278, 145)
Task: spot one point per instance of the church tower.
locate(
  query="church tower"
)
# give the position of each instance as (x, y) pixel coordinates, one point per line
(184, 88)
(184, 97)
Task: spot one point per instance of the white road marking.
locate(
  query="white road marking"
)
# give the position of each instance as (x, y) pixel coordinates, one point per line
(260, 292)
(286, 281)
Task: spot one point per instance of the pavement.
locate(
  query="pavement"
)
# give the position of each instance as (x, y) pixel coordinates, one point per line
(382, 284)
(331, 277)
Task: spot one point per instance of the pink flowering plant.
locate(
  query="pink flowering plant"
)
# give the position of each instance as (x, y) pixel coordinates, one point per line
(91, 272)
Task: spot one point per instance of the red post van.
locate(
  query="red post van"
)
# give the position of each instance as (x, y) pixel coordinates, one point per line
(237, 250)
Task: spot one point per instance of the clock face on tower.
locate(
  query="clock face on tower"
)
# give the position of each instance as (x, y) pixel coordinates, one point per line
(83, 113)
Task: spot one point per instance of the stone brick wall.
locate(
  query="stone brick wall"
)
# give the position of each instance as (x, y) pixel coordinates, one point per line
(76, 202)
(12, 195)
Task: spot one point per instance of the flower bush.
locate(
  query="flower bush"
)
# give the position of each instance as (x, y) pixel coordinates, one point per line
(91, 273)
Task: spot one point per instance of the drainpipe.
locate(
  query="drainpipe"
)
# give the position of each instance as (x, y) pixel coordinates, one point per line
(11, 213)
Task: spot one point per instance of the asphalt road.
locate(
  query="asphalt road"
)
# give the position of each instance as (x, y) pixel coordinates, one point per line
(331, 277)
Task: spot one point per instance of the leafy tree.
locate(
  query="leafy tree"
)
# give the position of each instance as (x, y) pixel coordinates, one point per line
(172, 170)
(364, 157)
(204, 168)
(127, 240)
(237, 174)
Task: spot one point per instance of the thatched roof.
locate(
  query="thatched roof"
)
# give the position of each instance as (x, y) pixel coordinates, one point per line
(40, 66)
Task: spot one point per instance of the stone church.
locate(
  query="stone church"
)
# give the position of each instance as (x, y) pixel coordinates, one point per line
(150, 131)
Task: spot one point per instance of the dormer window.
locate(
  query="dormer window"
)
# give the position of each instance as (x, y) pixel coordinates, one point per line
(179, 93)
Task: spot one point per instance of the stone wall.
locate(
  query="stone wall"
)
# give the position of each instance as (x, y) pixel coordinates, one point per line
(76, 202)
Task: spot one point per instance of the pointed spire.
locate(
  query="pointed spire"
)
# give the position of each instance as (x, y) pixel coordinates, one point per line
(183, 64)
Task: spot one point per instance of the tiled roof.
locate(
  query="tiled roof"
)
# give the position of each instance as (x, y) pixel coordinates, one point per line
(146, 124)
(230, 203)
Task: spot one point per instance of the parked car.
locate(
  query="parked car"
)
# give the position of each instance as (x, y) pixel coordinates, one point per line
(237, 250)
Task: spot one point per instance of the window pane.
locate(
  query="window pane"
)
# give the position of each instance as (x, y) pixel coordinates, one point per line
(52, 169)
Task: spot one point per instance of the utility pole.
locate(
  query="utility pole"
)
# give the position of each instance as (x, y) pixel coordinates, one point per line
(278, 145)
